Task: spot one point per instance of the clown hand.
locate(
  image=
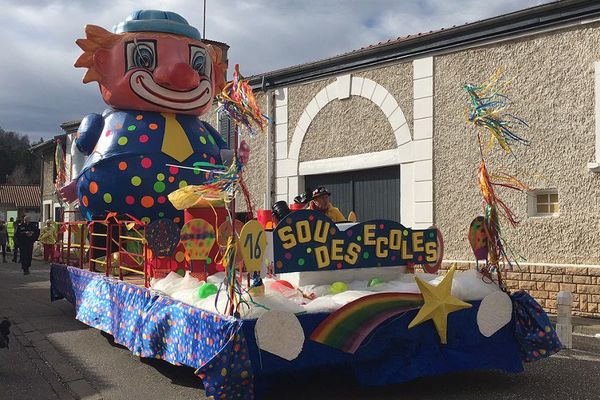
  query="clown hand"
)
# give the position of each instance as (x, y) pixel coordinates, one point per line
(69, 192)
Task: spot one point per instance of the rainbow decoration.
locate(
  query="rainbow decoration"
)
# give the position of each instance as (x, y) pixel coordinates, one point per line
(350, 325)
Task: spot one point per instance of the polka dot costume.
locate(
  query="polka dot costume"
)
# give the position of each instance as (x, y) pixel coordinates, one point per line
(126, 171)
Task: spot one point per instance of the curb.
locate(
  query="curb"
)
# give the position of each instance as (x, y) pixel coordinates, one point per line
(66, 381)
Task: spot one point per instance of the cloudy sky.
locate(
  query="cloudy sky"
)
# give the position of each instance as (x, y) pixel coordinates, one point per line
(40, 88)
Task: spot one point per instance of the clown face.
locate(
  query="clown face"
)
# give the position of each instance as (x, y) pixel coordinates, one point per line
(157, 72)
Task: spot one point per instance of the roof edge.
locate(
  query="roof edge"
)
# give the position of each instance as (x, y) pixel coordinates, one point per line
(504, 26)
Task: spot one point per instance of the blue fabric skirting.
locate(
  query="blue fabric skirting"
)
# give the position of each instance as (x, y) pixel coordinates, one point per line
(224, 350)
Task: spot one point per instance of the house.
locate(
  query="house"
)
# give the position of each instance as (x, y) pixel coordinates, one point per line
(384, 129)
(16, 201)
(51, 205)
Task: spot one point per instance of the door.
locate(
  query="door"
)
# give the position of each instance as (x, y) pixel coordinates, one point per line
(371, 193)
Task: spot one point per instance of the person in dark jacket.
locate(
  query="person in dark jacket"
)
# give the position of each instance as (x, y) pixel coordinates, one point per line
(12, 231)
(3, 239)
(4, 332)
(26, 234)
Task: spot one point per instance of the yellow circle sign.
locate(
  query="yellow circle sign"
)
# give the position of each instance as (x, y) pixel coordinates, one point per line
(254, 245)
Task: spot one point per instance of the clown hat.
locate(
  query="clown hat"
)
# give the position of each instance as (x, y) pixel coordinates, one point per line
(157, 21)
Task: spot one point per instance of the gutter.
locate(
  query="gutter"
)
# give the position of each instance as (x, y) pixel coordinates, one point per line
(530, 21)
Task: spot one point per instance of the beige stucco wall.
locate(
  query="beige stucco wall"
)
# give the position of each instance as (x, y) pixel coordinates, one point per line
(350, 126)
(345, 127)
(255, 173)
(211, 116)
(552, 89)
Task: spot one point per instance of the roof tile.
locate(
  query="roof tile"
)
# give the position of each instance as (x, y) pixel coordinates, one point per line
(20, 195)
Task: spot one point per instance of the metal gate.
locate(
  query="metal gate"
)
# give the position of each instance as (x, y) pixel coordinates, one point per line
(371, 193)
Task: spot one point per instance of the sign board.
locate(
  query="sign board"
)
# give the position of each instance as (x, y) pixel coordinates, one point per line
(309, 241)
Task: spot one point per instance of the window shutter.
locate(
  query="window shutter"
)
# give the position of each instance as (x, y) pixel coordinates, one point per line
(226, 128)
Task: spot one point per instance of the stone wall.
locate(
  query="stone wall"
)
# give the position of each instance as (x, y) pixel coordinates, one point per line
(544, 282)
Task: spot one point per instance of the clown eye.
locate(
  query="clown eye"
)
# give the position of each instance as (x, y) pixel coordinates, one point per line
(141, 54)
(200, 61)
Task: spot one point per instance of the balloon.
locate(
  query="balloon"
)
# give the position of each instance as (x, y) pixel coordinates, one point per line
(375, 282)
(163, 237)
(208, 289)
(478, 238)
(338, 287)
(244, 152)
(198, 237)
(285, 283)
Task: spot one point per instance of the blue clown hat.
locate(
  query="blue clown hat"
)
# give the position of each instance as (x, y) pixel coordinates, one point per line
(157, 21)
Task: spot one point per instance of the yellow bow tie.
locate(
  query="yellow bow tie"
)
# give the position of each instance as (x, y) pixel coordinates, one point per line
(175, 142)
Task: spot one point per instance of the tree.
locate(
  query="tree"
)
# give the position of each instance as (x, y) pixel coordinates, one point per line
(19, 176)
(15, 155)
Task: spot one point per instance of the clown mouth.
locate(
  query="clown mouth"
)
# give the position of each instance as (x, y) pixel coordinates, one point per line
(144, 86)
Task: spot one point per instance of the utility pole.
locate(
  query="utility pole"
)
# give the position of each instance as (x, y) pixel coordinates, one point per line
(204, 23)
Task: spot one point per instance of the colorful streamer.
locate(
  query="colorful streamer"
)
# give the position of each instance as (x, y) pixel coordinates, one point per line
(60, 166)
(488, 109)
(238, 101)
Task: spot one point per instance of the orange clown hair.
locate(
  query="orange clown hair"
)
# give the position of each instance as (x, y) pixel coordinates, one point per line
(96, 38)
(99, 38)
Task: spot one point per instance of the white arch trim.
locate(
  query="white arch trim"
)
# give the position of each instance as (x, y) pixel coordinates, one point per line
(363, 87)
(413, 153)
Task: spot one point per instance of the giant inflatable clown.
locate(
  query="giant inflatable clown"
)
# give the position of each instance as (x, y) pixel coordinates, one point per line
(158, 77)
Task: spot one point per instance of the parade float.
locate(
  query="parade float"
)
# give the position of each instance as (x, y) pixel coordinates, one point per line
(164, 265)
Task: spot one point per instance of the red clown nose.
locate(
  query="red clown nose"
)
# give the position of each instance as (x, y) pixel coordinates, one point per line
(178, 76)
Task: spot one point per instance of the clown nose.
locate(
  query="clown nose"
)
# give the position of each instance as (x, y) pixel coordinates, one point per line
(178, 76)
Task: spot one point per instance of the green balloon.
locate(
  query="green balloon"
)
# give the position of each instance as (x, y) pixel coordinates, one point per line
(208, 289)
(338, 287)
(375, 281)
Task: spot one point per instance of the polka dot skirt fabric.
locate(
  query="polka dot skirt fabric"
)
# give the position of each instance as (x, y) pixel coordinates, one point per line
(152, 326)
(537, 338)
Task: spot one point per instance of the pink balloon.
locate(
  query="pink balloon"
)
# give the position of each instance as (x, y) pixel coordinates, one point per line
(244, 152)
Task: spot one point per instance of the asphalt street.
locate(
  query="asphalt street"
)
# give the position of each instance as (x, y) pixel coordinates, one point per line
(53, 356)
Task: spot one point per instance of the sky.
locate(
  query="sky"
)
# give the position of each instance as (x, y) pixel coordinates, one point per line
(40, 88)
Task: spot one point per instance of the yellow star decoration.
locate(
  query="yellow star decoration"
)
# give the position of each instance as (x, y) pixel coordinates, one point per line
(439, 302)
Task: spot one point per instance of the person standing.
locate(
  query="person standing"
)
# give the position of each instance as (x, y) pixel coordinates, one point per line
(27, 233)
(48, 240)
(15, 241)
(3, 239)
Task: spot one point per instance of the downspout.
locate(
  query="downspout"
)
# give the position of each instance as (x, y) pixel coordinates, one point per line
(268, 198)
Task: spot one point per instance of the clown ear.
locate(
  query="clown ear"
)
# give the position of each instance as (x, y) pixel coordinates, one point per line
(219, 67)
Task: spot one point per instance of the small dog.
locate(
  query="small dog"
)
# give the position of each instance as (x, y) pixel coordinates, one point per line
(4, 331)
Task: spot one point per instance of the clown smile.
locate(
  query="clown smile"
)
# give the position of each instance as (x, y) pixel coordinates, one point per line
(145, 87)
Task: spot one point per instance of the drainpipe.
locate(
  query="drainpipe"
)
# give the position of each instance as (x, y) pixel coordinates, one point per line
(268, 197)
